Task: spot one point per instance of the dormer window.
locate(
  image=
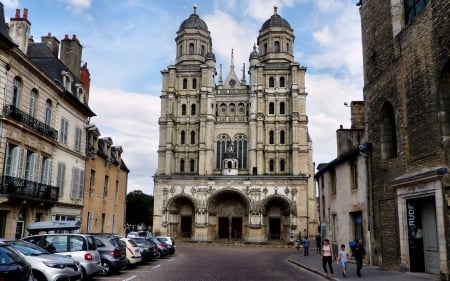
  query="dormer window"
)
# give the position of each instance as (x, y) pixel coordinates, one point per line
(67, 81)
(80, 92)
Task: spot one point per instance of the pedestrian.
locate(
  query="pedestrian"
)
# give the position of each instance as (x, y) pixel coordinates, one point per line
(358, 254)
(327, 256)
(318, 242)
(298, 245)
(306, 244)
(343, 258)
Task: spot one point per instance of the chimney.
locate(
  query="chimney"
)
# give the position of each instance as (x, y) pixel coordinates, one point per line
(85, 80)
(19, 30)
(51, 42)
(4, 34)
(357, 115)
(71, 54)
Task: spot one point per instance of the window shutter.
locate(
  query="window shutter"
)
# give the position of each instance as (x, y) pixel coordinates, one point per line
(32, 172)
(15, 162)
(75, 181)
(81, 185)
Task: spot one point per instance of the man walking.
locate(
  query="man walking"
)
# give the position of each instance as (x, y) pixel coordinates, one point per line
(358, 254)
(306, 244)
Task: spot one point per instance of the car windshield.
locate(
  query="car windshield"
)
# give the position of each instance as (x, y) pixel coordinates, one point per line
(29, 249)
(9, 256)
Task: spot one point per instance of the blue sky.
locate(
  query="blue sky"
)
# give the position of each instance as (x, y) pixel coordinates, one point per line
(127, 43)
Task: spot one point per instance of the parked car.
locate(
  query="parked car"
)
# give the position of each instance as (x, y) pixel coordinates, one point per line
(13, 265)
(142, 233)
(147, 250)
(169, 241)
(133, 251)
(156, 252)
(81, 247)
(47, 266)
(112, 251)
(162, 247)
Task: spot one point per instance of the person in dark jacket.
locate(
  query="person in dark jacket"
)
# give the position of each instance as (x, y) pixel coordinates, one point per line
(358, 254)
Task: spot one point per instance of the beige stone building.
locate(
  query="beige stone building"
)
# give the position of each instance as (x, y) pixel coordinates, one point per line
(42, 127)
(106, 185)
(342, 183)
(234, 156)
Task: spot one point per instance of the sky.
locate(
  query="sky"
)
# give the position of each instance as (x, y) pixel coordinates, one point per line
(126, 44)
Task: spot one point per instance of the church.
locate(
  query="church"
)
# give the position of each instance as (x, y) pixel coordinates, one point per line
(234, 157)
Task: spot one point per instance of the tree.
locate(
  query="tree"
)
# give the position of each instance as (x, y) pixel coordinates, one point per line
(139, 208)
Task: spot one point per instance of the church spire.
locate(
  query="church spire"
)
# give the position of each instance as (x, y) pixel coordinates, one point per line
(232, 60)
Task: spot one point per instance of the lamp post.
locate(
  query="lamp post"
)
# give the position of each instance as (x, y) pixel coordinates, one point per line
(364, 151)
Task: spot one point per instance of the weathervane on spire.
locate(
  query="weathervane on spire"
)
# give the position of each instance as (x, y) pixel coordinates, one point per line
(195, 8)
(275, 9)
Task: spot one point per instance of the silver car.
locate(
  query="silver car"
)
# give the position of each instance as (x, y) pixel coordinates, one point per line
(80, 247)
(46, 266)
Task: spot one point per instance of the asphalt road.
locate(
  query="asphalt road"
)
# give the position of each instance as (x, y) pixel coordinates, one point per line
(218, 263)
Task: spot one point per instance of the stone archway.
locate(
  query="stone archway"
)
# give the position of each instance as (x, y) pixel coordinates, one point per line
(228, 218)
(277, 217)
(180, 217)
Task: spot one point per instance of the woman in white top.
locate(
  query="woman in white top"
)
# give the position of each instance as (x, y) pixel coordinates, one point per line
(327, 256)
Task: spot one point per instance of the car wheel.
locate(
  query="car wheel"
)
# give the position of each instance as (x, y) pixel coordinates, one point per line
(38, 276)
(157, 255)
(105, 268)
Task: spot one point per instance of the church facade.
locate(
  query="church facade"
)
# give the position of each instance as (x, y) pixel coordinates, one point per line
(234, 157)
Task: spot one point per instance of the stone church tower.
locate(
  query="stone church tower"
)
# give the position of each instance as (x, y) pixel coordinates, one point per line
(234, 158)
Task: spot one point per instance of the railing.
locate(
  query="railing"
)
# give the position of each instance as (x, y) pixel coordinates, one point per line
(17, 187)
(18, 115)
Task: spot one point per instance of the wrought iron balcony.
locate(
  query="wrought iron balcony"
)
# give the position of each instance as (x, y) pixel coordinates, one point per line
(20, 188)
(29, 121)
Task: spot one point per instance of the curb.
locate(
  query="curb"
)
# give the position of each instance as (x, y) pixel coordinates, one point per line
(313, 270)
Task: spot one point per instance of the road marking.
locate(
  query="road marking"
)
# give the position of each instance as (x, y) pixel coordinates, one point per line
(130, 278)
(156, 266)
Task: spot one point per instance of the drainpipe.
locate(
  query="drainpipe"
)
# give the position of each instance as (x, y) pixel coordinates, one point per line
(364, 151)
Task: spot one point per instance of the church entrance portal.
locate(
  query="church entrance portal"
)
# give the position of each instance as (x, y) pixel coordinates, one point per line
(186, 226)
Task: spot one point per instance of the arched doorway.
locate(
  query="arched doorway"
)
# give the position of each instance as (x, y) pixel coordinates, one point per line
(181, 214)
(20, 224)
(228, 212)
(276, 216)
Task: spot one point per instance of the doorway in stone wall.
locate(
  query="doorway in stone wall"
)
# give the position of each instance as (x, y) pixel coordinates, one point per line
(274, 228)
(186, 226)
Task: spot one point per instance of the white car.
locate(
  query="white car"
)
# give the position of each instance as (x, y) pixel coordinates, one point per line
(133, 251)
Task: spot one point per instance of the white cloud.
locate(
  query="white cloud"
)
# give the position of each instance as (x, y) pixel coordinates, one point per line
(131, 120)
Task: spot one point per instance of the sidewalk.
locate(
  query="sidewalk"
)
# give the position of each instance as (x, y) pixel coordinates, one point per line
(313, 263)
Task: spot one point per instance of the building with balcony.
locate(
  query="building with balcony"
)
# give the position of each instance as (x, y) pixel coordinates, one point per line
(234, 158)
(42, 128)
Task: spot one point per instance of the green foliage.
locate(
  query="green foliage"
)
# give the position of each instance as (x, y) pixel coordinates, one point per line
(139, 208)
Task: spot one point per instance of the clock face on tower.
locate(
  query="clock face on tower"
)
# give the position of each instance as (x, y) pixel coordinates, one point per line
(232, 82)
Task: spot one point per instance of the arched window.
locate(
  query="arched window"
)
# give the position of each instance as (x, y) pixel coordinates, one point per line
(16, 92)
(276, 46)
(184, 83)
(271, 165)
(194, 83)
(232, 109)
(282, 108)
(265, 48)
(192, 166)
(388, 132)
(271, 108)
(182, 137)
(193, 110)
(223, 110)
(191, 48)
(271, 137)
(271, 82)
(183, 109)
(203, 50)
(282, 137)
(240, 148)
(223, 141)
(287, 48)
(282, 168)
(180, 50)
(48, 113)
(181, 165)
(282, 83)
(33, 98)
(193, 137)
